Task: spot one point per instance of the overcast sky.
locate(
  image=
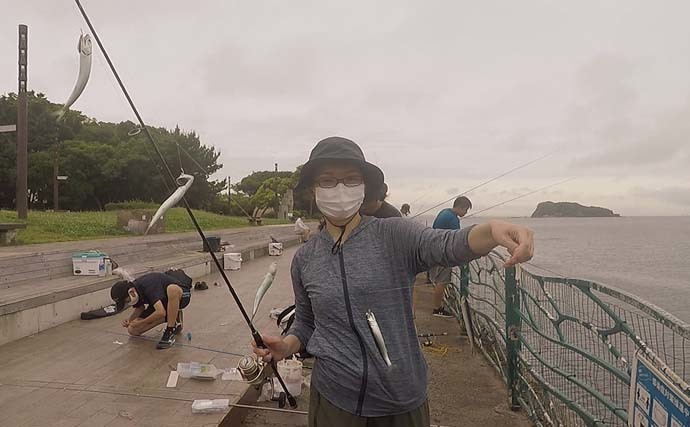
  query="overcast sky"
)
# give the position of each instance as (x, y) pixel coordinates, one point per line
(442, 95)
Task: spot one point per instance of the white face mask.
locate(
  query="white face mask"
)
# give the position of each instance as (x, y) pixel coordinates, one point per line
(341, 202)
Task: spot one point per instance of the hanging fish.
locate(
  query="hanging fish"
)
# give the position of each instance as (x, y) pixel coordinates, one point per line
(378, 337)
(184, 181)
(263, 288)
(85, 49)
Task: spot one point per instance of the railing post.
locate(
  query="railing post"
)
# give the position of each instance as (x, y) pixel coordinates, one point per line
(465, 280)
(513, 324)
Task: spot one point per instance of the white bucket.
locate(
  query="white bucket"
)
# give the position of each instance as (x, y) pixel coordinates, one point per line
(291, 372)
(275, 249)
(232, 261)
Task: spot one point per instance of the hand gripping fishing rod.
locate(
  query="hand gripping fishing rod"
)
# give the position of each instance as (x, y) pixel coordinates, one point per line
(255, 334)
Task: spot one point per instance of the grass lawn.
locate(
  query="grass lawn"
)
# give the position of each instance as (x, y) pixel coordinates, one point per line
(46, 227)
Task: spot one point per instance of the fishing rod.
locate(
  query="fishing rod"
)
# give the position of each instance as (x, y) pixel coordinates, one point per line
(520, 197)
(524, 165)
(254, 332)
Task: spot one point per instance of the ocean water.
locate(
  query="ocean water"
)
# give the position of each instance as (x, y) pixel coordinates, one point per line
(647, 256)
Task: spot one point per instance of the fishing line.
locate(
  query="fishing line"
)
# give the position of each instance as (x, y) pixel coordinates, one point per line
(158, 168)
(524, 165)
(137, 130)
(519, 197)
(427, 284)
(179, 157)
(79, 387)
(428, 191)
(177, 343)
(545, 269)
(255, 334)
(422, 197)
(179, 147)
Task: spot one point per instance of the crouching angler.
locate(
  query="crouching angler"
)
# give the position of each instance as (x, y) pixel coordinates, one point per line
(156, 298)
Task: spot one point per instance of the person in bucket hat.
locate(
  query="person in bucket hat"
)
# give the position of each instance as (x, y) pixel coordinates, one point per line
(353, 310)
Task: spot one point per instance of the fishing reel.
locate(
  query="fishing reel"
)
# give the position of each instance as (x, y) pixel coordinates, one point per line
(257, 373)
(252, 370)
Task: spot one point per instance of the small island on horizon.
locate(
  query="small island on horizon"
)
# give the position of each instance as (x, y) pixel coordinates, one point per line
(570, 210)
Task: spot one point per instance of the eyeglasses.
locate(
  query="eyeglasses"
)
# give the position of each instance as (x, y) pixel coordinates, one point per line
(350, 181)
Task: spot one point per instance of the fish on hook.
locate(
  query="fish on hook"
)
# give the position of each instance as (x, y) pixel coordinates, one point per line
(263, 288)
(378, 337)
(184, 181)
(85, 50)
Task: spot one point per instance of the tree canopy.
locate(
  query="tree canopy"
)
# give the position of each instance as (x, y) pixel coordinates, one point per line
(112, 163)
(103, 162)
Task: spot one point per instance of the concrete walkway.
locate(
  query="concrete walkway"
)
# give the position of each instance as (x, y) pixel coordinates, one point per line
(464, 390)
(78, 373)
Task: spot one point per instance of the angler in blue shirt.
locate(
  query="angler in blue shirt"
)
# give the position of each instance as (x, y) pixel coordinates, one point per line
(447, 219)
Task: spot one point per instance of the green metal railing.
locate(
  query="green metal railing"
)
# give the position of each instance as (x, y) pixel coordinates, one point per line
(564, 347)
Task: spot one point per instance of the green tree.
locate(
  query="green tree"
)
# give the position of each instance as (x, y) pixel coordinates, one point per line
(271, 192)
(105, 162)
(250, 184)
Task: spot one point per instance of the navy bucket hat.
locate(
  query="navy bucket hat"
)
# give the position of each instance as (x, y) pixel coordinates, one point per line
(336, 148)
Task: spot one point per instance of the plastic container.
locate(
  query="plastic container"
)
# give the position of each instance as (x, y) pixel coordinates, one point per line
(205, 406)
(232, 261)
(91, 263)
(291, 372)
(201, 371)
(184, 370)
(275, 249)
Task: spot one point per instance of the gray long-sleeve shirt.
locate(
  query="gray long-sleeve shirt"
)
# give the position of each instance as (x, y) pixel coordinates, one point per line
(374, 271)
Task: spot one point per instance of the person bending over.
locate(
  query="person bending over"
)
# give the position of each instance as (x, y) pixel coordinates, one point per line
(156, 298)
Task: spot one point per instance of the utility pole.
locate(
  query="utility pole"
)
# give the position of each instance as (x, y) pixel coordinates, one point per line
(56, 171)
(229, 202)
(22, 126)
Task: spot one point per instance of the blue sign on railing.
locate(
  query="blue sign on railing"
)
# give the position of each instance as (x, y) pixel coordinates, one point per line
(654, 400)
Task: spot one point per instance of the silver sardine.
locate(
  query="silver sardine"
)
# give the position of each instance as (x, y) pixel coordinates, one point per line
(378, 337)
(263, 288)
(84, 48)
(184, 181)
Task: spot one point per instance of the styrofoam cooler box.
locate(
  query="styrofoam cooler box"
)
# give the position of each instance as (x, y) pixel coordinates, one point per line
(232, 261)
(91, 263)
(275, 249)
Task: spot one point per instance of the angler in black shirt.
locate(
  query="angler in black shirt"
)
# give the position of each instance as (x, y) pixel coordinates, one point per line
(156, 298)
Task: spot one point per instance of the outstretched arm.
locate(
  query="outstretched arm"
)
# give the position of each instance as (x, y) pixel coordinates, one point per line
(424, 247)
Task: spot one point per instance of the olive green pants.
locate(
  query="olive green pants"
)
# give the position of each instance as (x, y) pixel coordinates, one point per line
(323, 414)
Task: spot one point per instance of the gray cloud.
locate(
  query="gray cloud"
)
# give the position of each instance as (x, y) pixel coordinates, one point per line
(441, 95)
